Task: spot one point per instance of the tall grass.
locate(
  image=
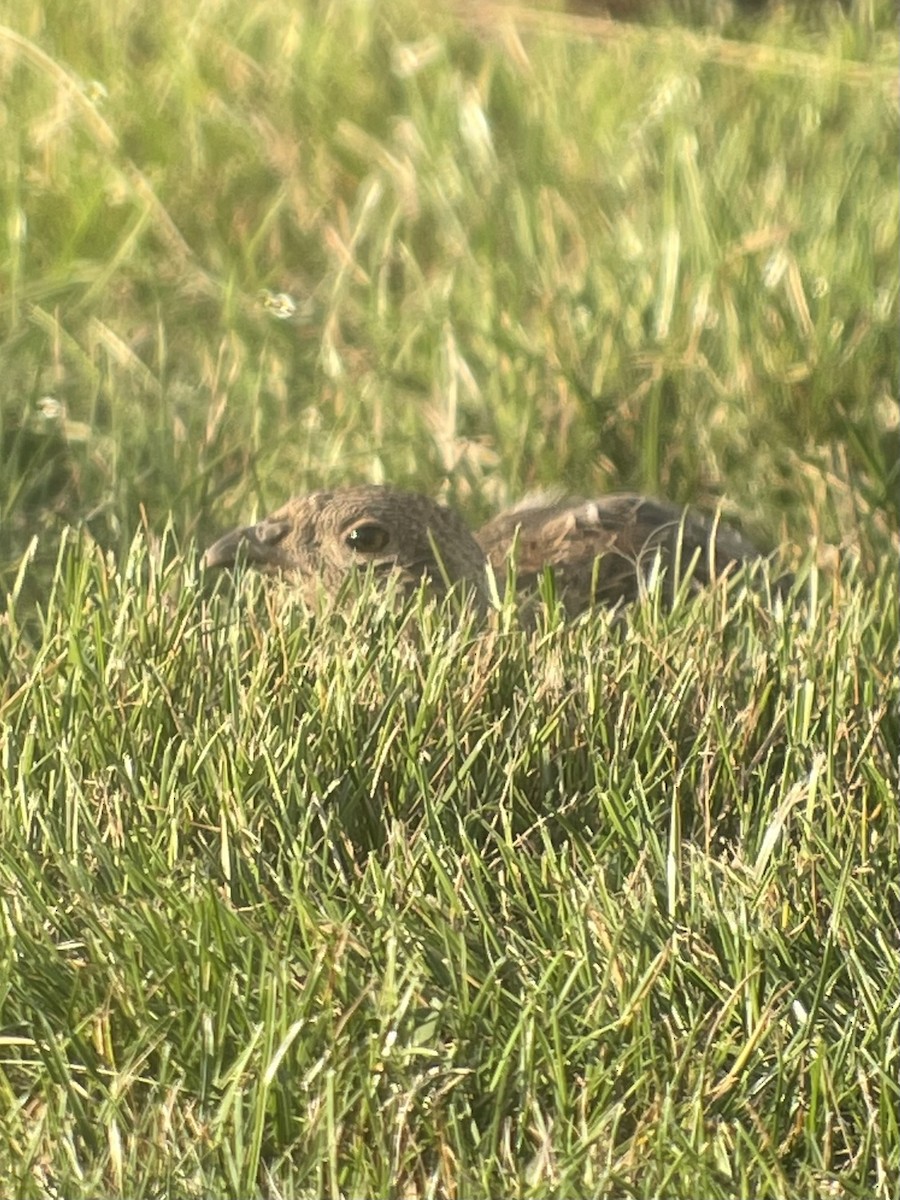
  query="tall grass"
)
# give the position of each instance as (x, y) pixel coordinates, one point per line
(510, 261)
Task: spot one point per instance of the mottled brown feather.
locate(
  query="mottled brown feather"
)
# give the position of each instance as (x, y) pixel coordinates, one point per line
(603, 551)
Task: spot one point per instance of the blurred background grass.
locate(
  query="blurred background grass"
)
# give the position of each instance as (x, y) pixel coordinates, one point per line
(251, 250)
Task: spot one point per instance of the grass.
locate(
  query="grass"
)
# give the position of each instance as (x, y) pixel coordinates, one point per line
(598, 912)
(304, 905)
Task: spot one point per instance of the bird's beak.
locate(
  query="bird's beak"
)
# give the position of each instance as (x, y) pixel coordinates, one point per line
(224, 552)
(257, 545)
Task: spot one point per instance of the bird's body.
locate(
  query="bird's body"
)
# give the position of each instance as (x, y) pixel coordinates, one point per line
(603, 551)
(325, 537)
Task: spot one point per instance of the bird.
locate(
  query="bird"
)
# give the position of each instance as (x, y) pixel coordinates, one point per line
(321, 539)
(603, 551)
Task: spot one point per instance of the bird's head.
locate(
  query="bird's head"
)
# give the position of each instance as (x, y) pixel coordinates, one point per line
(323, 538)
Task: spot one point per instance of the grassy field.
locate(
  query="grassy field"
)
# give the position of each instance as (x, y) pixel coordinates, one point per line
(298, 905)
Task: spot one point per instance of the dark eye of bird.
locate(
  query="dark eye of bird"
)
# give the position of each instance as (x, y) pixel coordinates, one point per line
(367, 538)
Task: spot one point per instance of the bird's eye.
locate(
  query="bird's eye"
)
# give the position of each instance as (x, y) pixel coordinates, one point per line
(367, 538)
